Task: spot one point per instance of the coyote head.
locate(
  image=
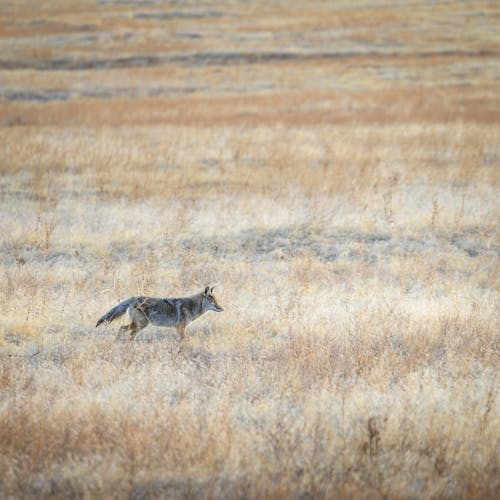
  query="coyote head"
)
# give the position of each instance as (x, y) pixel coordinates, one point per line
(209, 302)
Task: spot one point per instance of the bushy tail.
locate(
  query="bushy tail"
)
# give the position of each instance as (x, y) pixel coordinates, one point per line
(116, 312)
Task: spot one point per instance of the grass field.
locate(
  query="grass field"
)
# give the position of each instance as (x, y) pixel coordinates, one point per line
(332, 169)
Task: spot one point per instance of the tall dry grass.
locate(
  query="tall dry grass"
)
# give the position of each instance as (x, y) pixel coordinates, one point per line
(346, 211)
(358, 348)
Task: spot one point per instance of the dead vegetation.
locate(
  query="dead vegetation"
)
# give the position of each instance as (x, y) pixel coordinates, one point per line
(333, 171)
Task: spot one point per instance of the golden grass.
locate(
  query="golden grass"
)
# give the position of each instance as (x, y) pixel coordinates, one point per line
(346, 210)
(309, 109)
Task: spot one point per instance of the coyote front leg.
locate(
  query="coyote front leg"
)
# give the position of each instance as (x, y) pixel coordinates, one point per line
(181, 330)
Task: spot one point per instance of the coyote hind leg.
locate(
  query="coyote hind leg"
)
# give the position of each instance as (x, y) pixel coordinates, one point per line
(132, 328)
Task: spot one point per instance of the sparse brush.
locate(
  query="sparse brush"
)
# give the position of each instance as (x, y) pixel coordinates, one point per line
(344, 203)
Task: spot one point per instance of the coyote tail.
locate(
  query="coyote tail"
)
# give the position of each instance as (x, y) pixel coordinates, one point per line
(116, 312)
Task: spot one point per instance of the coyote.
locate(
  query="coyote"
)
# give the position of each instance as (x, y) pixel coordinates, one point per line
(162, 312)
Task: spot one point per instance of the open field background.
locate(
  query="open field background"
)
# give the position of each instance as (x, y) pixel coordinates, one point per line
(333, 170)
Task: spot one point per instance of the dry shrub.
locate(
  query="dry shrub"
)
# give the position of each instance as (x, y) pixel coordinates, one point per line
(344, 205)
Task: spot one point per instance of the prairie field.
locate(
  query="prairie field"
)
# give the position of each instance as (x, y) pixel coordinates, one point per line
(332, 168)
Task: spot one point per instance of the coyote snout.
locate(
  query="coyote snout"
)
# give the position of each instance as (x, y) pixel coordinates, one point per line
(209, 302)
(162, 312)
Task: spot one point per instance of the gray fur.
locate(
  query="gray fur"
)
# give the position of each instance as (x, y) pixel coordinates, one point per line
(162, 312)
(116, 312)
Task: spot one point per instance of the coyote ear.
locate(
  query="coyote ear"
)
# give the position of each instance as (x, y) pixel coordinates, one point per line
(207, 291)
(212, 290)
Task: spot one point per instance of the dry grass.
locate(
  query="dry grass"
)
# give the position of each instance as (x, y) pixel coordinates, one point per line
(345, 206)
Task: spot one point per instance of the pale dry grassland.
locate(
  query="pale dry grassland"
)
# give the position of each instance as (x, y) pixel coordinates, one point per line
(332, 170)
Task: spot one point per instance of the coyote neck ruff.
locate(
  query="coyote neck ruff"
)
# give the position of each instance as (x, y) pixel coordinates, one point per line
(162, 312)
